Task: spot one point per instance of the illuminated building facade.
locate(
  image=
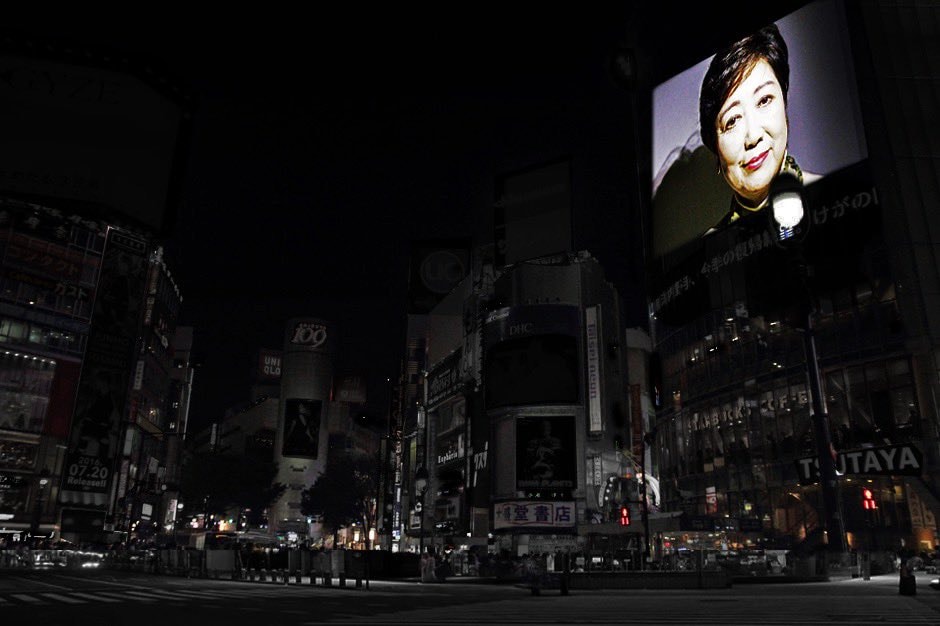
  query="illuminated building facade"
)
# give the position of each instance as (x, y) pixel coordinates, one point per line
(734, 431)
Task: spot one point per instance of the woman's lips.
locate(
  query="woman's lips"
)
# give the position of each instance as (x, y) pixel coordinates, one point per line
(757, 161)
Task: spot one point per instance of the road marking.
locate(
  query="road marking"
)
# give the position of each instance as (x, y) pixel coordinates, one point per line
(124, 596)
(61, 598)
(163, 595)
(26, 598)
(202, 595)
(39, 582)
(94, 597)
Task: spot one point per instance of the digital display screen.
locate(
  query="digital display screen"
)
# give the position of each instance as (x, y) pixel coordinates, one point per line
(782, 98)
(538, 369)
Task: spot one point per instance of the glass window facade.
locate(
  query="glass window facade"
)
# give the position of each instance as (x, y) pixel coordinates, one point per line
(25, 386)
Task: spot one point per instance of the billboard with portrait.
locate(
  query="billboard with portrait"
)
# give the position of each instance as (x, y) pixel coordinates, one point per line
(302, 428)
(783, 98)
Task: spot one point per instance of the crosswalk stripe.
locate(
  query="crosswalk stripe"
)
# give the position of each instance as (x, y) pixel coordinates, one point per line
(123, 596)
(163, 595)
(26, 598)
(96, 598)
(204, 595)
(63, 598)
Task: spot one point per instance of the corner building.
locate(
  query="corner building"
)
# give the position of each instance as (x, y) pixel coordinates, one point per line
(734, 429)
(528, 413)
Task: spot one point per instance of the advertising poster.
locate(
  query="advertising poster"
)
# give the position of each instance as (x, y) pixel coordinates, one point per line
(302, 428)
(106, 373)
(545, 453)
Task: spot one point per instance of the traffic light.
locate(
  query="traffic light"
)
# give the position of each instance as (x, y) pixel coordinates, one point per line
(624, 515)
(868, 500)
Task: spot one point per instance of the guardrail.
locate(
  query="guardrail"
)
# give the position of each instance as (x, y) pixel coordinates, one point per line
(353, 568)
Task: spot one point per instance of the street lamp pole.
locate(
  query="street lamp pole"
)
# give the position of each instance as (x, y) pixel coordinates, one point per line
(37, 509)
(787, 216)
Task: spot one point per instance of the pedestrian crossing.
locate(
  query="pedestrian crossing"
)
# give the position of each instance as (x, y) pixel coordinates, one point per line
(139, 595)
(595, 610)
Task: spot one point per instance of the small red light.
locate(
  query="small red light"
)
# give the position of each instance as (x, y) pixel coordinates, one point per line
(624, 516)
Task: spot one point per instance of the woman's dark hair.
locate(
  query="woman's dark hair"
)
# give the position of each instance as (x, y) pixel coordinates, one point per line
(727, 70)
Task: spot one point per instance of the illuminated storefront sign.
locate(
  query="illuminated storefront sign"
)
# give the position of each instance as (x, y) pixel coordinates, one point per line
(534, 514)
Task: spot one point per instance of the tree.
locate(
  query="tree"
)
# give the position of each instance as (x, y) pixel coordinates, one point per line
(344, 493)
(215, 483)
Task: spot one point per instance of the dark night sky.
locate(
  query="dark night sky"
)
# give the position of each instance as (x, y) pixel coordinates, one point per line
(318, 157)
(321, 145)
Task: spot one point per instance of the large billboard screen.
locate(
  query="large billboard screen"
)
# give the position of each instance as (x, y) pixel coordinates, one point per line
(783, 97)
(89, 135)
(302, 428)
(532, 213)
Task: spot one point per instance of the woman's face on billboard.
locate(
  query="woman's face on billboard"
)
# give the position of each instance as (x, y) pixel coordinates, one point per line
(752, 133)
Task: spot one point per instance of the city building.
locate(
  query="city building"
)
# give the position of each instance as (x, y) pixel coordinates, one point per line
(742, 317)
(87, 188)
(523, 438)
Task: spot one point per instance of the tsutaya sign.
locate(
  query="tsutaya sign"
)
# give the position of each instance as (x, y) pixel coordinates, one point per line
(897, 460)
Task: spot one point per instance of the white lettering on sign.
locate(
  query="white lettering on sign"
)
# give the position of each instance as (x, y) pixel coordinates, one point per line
(306, 334)
(479, 462)
(272, 366)
(904, 459)
(594, 391)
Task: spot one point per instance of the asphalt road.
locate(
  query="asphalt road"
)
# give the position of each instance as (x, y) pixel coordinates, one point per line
(76, 598)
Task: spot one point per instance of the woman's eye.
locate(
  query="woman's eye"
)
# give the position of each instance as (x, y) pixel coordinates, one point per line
(765, 100)
(730, 123)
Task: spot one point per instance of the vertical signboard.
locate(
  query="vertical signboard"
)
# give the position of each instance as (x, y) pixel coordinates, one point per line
(637, 427)
(105, 378)
(594, 370)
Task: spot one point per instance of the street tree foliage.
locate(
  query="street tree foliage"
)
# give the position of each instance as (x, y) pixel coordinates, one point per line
(344, 493)
(214, 483)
